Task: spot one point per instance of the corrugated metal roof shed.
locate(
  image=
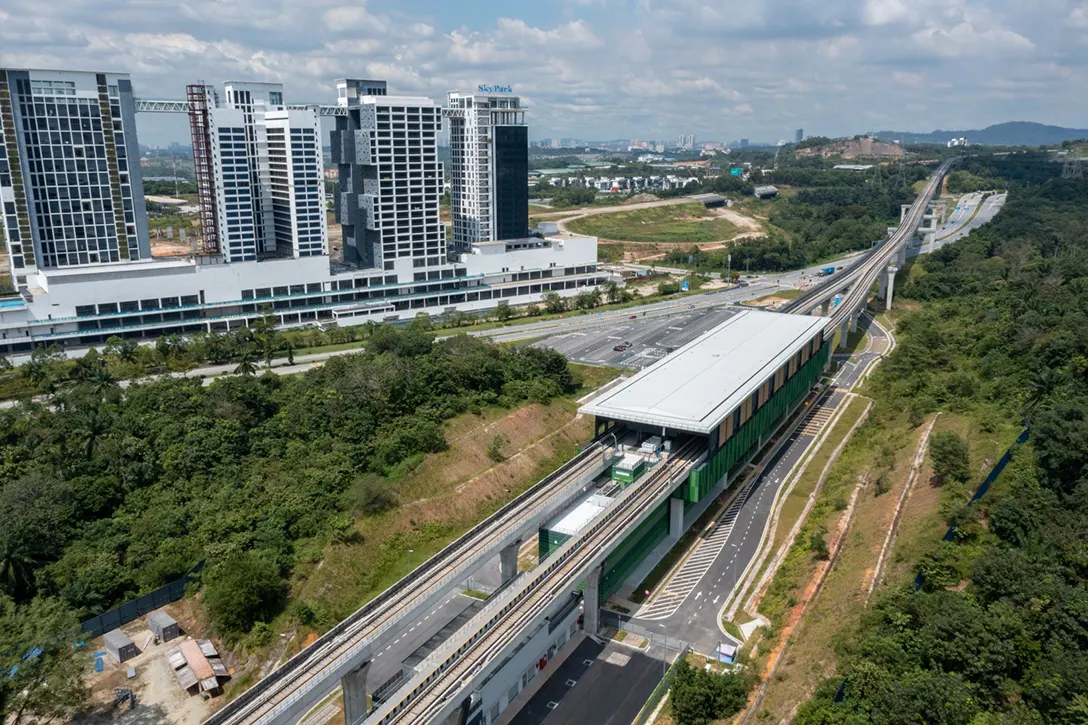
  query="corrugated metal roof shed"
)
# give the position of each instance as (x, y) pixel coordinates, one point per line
(196, 660)
(694, 388)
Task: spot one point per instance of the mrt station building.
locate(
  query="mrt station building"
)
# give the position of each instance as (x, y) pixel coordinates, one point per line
(733, 387)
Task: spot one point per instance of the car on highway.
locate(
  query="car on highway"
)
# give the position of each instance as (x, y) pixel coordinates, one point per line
(668, 350)
(633, 317)
(742, 283)
(691, 307)
(619, 348)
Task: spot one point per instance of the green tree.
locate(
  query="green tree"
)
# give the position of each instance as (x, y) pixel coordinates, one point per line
(613, 292)
(494, 449)
(17, 563)
(243, 588)
(817, 544)
(503, 312)
(43, 676)
(698, 697)
(950, 457)
(123, 350)
(554, 302)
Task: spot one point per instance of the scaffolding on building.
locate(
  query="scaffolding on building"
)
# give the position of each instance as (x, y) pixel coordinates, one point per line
(200, 128)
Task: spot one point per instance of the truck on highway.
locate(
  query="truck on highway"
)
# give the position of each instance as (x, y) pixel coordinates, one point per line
(825, 271)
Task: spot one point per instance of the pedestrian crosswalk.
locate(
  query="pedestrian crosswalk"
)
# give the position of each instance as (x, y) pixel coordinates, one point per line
(687, 578)
(815, 421)
(691, 572)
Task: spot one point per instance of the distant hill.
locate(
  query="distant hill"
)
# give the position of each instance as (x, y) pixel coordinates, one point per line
(1013, 133)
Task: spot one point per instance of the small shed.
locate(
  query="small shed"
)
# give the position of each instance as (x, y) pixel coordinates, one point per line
(119, 646)
(163, 626)
(710, 201)
(197, 666)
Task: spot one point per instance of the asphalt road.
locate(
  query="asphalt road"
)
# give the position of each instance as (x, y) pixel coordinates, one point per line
(610, 686)
(650, 339)
(695, 617)
(959, 223)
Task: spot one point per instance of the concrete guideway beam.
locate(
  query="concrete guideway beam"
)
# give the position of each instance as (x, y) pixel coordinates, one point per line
(844, 333)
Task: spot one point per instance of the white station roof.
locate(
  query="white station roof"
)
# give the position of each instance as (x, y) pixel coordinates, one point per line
(696, 387)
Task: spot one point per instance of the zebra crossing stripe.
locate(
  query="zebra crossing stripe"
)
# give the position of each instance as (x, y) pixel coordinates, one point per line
(692, 571)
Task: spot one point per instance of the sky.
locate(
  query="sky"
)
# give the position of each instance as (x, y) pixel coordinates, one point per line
(601, 69)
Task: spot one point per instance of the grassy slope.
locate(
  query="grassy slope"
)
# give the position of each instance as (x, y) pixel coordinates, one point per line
(834, 615)
(440, 498)
(684, 223)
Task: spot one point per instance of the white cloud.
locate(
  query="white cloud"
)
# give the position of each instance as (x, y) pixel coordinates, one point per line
(904, 78)
(883, 12)
(602, 68)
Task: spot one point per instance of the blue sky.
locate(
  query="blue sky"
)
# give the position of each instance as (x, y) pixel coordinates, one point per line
(649, 69)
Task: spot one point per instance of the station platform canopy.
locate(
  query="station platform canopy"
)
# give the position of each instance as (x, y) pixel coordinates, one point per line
(697, 386)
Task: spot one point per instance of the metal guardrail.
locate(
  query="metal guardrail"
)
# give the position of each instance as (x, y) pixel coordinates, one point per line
(235, 711)
(489, 629)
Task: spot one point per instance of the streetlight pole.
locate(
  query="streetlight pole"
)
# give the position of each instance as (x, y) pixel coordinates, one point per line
(410, 552)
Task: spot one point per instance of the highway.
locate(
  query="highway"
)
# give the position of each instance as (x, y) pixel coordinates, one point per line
(317, 670)
(967, 216)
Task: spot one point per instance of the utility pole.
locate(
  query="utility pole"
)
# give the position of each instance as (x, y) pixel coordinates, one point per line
(1071, 169)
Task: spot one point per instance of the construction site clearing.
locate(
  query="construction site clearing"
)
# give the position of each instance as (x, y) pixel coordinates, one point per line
(178, 681)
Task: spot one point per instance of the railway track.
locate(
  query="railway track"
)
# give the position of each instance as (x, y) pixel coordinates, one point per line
(861, 276)
(444, 680)
(313, 667)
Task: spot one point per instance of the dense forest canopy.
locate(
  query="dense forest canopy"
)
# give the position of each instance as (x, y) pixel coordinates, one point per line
(998, 633)
(105, 493)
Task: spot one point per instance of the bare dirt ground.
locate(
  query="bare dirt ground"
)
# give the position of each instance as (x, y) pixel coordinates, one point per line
(159, 698)
(166, 248)
(336, 240)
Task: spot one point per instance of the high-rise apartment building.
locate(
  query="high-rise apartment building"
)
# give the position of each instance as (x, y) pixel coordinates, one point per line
(261, 172)
(386, 149)
(70, 185)
(799, 135)
(262, 220)
(294, 180)
(489, 167)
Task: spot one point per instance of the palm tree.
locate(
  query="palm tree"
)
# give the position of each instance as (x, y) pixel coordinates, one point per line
(102, 381)
(245, 364)
(91, 425)
(1042, 382)
(17, 562)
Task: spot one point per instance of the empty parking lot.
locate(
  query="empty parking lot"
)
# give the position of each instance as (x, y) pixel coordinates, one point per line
(650, 339)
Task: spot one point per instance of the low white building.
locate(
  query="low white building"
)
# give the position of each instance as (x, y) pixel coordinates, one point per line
(145, 299)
